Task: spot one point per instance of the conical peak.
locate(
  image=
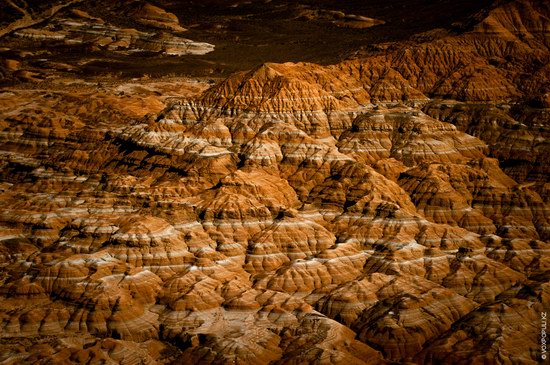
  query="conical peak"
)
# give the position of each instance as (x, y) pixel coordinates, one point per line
(275, 88)
(265, 71)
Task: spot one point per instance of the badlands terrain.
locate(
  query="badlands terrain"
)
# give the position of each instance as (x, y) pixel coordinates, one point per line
(272, 182)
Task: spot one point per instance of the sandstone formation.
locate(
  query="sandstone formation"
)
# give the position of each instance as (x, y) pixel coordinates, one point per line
(338, 18)
(97, 34)
(115, 28)
(391, 208)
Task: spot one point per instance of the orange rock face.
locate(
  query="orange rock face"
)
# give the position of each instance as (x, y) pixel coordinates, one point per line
(393, 207)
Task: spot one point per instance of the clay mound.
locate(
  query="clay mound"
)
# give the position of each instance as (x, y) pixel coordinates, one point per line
(144, 232)
(520, 254)
(212, 303)
(519, 19)
(361, 191)
(472, 66)
(292, 214)
(516, 136)
(445, 205)
(152, 243)
(503, 316)
(422, 310)
(305, 95)
(150, 15)
(225, 205)
(106, 296)
(338, 18)
(310, 91)
(408, 136)
(231, 219)
(472, 197)
(287, 239)
(82, 350)
(358, 22)
(272, 191)
(280, 88)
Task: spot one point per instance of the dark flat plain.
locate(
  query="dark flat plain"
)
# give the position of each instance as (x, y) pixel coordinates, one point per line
(249, 33)
(258, 32)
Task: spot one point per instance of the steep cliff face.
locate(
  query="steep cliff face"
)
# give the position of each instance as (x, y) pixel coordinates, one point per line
(389, 208)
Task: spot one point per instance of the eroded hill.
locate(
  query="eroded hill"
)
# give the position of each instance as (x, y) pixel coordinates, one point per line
(392, 207)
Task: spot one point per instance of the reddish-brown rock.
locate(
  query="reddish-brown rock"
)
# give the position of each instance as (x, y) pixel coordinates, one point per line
(392, 207)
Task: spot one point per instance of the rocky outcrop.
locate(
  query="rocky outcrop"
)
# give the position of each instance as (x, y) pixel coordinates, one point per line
(84, 27)
(474, 204)
(408, 136)
(492, 324)
(153, 16)
(338, 18)
(102, 35)
(517, 136)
